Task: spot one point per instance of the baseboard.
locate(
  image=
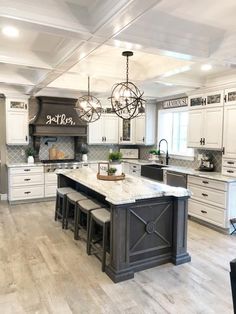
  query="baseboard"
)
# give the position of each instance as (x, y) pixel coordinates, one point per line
(3, 197)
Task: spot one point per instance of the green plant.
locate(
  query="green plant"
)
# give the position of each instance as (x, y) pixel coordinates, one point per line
(111, 171)
(154, 152)
(115, 156)
(30, 152)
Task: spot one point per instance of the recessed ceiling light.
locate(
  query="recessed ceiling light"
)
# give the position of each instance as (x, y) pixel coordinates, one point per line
(206, 67)
(10, 31)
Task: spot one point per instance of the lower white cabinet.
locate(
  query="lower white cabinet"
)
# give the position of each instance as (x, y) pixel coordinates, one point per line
(213, 201)
(25, 183)
(50, 185)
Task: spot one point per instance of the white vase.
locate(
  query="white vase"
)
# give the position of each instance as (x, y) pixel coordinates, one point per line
(84, 157)
(30, 160)
(118, 167)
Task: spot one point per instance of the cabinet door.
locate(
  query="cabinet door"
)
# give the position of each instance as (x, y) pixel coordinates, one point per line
(230, 96)
(196, 101)
(110, 128)
(140, 130)
(95, 130)
(126, 128)
(214, 99)
(229, 141)
(213, 128)
(195, 125)
(17, 131)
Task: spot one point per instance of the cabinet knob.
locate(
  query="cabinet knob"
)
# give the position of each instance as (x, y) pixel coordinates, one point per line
(26, 138)
(201, 141)
(205, 182)
(230, 171)
(27, 179)
(143, 139)
(28, 192)
(225, 98)
(204, 194)
(26, 169)
(204, 211)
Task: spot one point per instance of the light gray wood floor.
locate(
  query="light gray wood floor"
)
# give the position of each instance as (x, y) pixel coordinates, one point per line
(43, 270)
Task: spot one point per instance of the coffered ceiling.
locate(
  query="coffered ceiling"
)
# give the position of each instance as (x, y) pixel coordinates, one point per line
(61, 42)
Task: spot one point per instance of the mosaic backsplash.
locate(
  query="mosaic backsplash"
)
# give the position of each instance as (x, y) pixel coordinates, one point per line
(16, 154)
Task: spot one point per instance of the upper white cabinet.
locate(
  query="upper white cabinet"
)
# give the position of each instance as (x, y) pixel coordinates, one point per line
(145, 126)
(230, 96)
(17, 130)
(230, 132)
(205, 128)
(104, 130)
(126, 131)
(212, 99)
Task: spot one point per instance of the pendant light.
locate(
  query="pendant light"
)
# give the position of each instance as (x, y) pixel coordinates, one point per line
(88, 107)
(126, 98)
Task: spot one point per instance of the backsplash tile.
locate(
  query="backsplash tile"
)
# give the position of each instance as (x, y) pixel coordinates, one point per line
(65, 144)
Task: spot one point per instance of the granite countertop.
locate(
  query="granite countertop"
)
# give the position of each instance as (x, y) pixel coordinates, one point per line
(125, 191)
(210, 175)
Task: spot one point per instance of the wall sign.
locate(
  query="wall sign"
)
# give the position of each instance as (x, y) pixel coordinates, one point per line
(175, 103)
(59, 119)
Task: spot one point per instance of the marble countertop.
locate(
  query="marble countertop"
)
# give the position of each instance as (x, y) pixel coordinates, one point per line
(125, 191)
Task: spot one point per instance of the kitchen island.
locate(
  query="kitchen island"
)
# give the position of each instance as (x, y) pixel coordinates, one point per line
(148, 220)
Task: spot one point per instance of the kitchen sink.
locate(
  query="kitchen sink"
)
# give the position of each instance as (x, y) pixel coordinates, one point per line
(153, 171)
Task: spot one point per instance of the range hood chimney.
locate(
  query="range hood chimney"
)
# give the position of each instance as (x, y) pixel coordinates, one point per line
(57, 117)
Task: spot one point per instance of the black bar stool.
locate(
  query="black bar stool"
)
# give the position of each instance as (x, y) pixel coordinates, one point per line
(84, 206)
(60, 205)
(71, 203)
(102, 217)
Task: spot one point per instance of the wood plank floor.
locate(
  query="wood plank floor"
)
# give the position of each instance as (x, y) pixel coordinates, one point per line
(43, 270)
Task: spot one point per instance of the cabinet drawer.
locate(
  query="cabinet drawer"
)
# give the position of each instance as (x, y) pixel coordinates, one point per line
(50, 190)
(229, 163)
(209, 183)
(51, 178)
(207, 213)
(227, 171)
(24, 170)
(27, 179)
(24, 193)
(210, 196)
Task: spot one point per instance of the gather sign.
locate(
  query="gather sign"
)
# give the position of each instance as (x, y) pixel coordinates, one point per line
(59, 119)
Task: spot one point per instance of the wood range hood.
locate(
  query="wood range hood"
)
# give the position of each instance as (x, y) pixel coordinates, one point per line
(57, 117)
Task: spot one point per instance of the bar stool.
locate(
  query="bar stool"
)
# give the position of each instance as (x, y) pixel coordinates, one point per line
(84, 206)
(60, 205)
(71, 203)
(102, 217)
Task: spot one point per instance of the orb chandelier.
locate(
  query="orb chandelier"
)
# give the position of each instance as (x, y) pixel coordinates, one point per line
(88, 107)
(126, 98)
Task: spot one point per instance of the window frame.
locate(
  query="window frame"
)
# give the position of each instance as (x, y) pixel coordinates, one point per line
(174, 110)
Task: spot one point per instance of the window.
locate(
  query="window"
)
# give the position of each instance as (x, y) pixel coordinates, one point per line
(172, 125)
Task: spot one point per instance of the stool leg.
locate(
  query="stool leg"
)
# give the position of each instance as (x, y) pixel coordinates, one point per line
(104, 239)
(63, 211)
(67, 209)
(56, 207)
(88, 227)
(77, 220)
(90, 236)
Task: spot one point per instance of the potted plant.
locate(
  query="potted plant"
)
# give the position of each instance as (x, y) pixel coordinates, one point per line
(111, 171)
(30, 153)
(84, 150)
(154, 154)
(115, 162)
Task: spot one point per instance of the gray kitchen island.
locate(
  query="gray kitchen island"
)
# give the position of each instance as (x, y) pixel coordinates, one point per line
(148, 220)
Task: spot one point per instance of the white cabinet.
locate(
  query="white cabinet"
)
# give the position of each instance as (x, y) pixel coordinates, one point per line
(211, 99)
(17, 130)
(145, 126)
(126, 131)
(205, 129)
(25, 183)
(229, 138)
(212, 201)
(104, 130)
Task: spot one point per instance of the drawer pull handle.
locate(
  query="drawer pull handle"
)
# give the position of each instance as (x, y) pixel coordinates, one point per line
(27, 179)
(203, 211)
(204, 194)
(230, 162)
(26, 169)
(28, 192)
(205, 182)
(230, 171)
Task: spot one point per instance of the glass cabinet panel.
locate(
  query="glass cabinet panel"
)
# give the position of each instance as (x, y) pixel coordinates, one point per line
(126, 131)
(195, 101)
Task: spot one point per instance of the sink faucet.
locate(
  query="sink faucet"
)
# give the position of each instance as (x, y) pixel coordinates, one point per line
(167, 155)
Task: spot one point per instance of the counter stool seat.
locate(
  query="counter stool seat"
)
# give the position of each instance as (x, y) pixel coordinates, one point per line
(84, 206)
(71, 203)
(60, 205)
(102, 217)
